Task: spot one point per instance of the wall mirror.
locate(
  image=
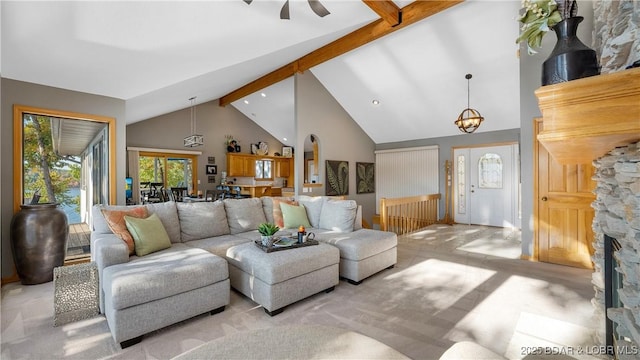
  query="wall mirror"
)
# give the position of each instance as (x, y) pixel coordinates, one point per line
(66, 158)
(311, 159)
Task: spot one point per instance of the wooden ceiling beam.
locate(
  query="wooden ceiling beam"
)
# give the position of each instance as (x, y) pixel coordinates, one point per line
(387, 10)
(412, 13)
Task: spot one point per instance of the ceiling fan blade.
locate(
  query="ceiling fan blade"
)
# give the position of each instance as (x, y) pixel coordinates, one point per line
(248, 1)
(284, 12)
(317, 8)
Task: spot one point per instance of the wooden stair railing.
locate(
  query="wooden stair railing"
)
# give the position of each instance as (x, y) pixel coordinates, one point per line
(407, 214)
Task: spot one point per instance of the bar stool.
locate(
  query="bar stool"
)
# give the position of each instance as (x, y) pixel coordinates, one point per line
(236, 192)
(223, 192)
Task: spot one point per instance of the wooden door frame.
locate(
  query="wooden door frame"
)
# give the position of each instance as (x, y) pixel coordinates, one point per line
(536, 191)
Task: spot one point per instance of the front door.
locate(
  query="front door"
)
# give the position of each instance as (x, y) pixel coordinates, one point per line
(486, 186)
(563, 211)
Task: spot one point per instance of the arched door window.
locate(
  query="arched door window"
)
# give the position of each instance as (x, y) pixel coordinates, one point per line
(490, 171)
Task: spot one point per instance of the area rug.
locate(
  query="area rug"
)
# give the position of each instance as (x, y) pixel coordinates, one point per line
(293, 342)
(75, 295)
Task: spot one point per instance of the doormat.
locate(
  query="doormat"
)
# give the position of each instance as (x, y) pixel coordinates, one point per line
(76, 294)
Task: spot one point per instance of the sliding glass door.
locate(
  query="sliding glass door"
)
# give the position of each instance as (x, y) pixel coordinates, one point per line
(168, 170)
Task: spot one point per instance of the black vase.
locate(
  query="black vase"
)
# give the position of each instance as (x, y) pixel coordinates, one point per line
(39, 235)
(570, 58)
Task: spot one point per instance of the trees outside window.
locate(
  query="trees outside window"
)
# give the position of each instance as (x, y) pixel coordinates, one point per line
(47, 174)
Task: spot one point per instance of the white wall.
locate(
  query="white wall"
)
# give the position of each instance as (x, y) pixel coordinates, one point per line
(340, 138)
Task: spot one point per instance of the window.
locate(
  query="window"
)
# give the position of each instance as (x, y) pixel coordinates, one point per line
(462, 204)
(264, 170)
(490, 171)
(169, 170)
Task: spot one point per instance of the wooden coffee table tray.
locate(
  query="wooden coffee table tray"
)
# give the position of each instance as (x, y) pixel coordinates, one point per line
(280, 248)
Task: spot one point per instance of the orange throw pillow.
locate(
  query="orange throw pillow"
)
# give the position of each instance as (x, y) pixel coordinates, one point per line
(115, 220)
(277, 211)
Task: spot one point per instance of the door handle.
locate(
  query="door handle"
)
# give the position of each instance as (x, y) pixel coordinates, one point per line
(544, 198)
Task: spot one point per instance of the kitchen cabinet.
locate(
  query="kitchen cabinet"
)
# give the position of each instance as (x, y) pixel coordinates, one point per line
(241, 165)
(283, 167)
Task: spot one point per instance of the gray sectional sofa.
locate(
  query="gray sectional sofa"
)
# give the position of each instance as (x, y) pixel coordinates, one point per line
(211, 251)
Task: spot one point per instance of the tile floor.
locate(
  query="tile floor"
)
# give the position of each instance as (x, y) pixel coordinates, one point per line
(451, 283)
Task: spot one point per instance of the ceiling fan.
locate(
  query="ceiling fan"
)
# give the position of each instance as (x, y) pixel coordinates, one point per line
(315, 5)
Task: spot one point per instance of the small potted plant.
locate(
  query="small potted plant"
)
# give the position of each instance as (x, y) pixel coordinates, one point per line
(267, 230)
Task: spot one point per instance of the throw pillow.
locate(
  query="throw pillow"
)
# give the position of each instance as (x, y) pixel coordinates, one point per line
(149, 235)
(338, 215)
(115, 220)
(277, 211)
(294, 216)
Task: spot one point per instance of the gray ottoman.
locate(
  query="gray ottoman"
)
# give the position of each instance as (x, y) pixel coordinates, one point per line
(363, 252)
(277, 279)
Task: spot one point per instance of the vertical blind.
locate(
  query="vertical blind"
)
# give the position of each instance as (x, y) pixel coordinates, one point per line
(406, 172)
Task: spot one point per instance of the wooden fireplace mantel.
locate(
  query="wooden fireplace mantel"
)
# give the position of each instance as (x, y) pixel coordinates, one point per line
(586, 118)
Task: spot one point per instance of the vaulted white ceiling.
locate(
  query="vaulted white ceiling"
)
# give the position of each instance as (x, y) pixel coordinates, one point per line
(157, 55)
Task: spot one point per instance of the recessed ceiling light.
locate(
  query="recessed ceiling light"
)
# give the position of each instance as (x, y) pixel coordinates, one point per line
(285, 139)
(263, 94)
(246, 102)
(375, 102)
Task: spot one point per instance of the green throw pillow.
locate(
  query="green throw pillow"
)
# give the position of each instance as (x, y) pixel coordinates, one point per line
(294, 216)
(148, 234)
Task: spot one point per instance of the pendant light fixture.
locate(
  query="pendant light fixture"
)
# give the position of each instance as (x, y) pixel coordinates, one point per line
(469, 119)
(194, 139)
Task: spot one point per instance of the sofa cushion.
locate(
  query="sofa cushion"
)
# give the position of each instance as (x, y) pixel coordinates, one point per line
(278, 218)
(244, 214)
(200, 220)
(338, 215)
(161, 274)
(218, 245)
(294, 216)
(115, 221)
(168, 214)
(148, 234)
(267, 205)
(313, 205)
(359, 244)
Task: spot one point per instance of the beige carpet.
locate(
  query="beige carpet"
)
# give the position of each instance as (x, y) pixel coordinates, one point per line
(293, 342)
(451, 284)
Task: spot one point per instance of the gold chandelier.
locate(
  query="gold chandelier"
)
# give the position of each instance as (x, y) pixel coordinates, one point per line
(469, 119)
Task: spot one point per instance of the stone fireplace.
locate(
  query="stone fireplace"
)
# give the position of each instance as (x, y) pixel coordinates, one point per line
(597, 120)
(617, 239)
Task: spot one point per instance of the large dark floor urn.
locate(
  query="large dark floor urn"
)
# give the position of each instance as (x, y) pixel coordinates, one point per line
(39, 235)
